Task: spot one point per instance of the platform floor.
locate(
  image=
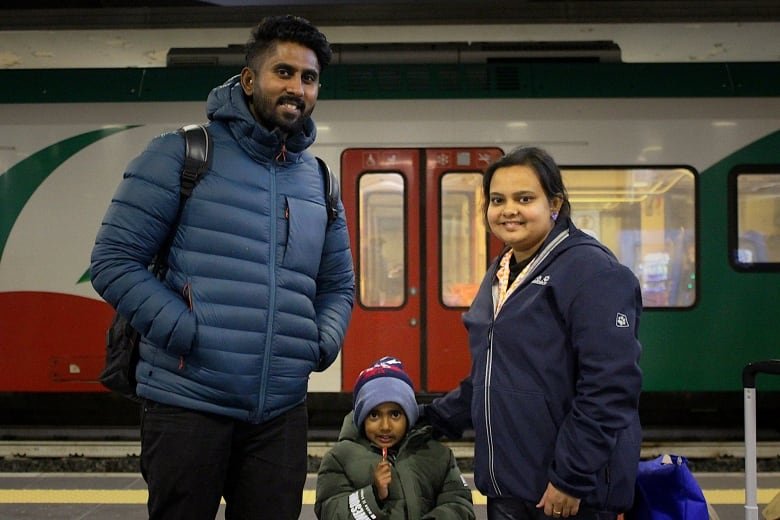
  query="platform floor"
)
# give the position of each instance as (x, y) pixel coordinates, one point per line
(122, 496)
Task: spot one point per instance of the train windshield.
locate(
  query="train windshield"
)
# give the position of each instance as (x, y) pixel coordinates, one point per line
(646, 216)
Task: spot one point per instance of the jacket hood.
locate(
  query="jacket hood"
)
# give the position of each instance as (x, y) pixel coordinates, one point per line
(576, 237)
(349, 432)
(227, 103)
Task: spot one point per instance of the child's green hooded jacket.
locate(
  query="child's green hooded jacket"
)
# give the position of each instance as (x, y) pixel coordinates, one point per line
(427, 483)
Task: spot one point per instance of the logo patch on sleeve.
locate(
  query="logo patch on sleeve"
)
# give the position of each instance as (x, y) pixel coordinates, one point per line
(621, 321)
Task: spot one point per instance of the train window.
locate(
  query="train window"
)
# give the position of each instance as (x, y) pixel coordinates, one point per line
(464, 239)
(382, 249)
(646, 216)
(754, 227)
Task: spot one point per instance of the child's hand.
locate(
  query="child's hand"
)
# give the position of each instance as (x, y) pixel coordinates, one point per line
(382, 476)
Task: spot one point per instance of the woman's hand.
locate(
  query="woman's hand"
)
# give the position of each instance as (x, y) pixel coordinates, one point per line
(558, 504)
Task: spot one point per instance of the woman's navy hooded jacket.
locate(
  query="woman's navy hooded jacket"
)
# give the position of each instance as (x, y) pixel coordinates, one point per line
(259, 289)
(554, 388)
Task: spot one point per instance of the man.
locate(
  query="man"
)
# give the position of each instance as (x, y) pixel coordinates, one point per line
(257, 295)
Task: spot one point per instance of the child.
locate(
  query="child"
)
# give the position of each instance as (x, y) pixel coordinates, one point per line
(383, 467)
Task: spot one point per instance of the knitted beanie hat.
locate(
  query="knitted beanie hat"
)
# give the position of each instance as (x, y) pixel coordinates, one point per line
(384, 382)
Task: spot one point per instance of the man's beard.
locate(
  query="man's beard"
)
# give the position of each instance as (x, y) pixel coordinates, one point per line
(269, 118)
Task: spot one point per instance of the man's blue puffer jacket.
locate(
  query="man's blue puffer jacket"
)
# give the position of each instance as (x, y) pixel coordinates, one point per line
(260, 286)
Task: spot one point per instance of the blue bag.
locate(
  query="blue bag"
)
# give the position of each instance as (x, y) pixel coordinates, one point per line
(667, 490)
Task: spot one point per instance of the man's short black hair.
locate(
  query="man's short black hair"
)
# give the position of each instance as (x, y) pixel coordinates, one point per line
(287, 28)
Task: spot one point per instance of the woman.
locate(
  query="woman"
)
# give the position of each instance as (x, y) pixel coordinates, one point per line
(555, 380)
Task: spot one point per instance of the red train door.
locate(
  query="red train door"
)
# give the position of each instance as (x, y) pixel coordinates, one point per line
(420, 250)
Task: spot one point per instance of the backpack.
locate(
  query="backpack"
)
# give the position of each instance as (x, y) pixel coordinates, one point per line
(666, 488)
(122, 340)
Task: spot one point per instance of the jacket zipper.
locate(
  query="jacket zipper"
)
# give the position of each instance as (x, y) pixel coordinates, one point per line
(271, 292)
(488, 423)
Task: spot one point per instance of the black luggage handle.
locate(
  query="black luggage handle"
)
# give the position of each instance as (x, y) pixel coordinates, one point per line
(749, 373)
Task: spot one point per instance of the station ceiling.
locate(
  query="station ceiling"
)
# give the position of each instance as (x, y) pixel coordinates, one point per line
(106, 14)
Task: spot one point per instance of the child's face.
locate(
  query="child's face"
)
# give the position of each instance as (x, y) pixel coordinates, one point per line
(386, 425)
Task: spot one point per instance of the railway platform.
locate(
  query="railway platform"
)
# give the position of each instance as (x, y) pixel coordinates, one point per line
(107, 496)
(96, 479)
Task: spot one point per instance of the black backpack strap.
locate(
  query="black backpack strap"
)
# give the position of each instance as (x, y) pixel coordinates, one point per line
(331, 184)
(197, 157)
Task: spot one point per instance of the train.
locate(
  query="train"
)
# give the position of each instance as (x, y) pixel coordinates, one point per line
(674, 166)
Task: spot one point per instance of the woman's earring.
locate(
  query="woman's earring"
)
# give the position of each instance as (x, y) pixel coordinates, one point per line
(554, 215)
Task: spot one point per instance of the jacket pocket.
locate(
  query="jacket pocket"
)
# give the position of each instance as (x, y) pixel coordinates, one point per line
(619, 477)
(188, 295)
(306, 223)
